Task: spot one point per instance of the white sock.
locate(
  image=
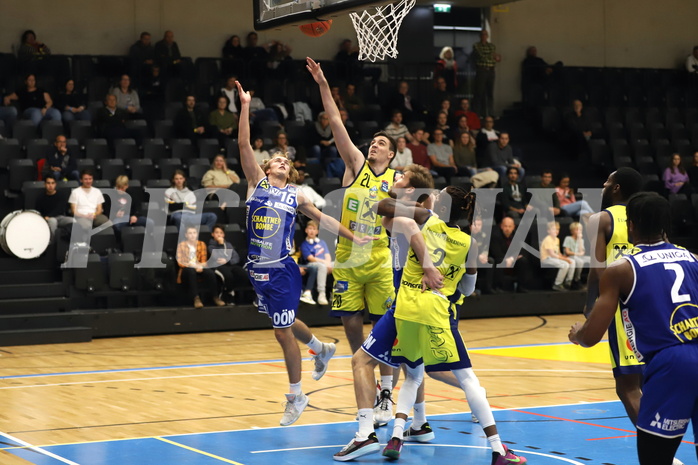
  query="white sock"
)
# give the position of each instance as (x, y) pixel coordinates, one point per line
(315, 345)
(295, 388)
(365, 423)
(387, 382)
(420, 415)
(398, 427)
(496, 444)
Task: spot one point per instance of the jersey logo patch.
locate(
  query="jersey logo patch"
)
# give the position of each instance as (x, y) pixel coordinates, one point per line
(353, 205)
(384, 186)
(341, 286)
(264, 184)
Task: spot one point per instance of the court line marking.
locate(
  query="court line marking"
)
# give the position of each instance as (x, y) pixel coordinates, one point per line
(37, 449)
(198, 451)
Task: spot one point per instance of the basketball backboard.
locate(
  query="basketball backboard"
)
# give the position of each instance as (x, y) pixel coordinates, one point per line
(269, 14)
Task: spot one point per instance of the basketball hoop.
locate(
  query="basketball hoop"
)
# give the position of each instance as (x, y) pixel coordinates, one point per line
(377, 29)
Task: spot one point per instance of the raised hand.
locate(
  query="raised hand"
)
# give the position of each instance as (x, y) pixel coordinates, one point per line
(245, 97)
(315, 70)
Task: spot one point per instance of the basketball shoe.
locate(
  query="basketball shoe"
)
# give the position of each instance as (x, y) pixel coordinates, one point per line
(322, 359)
(423, 434)
(293, 407)
(383, 411)
(357, 448)
(392, 449)
(508, 458)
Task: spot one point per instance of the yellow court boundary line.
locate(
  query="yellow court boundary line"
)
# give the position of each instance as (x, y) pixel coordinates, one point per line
(197, 451)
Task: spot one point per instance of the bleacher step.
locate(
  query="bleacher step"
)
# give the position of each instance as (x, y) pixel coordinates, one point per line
(23, 337)
(34, 305)
(25, 291)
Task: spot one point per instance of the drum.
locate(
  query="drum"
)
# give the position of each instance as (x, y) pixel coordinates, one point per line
(24, 234)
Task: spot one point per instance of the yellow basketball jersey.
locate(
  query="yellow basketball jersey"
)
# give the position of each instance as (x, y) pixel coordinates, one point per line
(448, 248)
(358, 212)
(618, 244)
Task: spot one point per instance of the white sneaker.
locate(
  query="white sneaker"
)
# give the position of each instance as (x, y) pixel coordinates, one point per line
(322, 359)
(383, 411)
(307, 297)
(321, 299)
(294, 406)
(676, 462)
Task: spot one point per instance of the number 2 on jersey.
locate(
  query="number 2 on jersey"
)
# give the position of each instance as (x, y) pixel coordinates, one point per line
(675, 296)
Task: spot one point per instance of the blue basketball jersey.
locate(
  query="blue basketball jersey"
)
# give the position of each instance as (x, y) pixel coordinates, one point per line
(271, 217)
(662, 308)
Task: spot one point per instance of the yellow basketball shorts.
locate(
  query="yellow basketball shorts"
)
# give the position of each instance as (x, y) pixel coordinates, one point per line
(431, 344)
(367, 286)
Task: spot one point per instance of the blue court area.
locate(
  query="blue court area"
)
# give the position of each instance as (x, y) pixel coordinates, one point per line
(590, 433)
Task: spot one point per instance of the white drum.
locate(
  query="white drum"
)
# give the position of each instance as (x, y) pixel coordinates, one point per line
(24, 234)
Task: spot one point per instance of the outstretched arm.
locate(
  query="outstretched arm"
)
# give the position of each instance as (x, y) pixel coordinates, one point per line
(353, 158)
(328, 222)
(393, 208)
(252, 170)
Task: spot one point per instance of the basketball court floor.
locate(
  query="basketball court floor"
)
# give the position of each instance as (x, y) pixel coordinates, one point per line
(216, 398)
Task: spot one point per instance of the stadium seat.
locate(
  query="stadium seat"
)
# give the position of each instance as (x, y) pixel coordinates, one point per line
(9, 150)
(103, 242)
(154, 149)
(23, 130)
(132, 238)
(142, 169)
(122, 274)
(21, 169)
(51, 129)
(125, 149)
(112, 168)
(168, 166)
(96, 149)
(208, 148)
(182, 149)
(91, 278)
(81, 130)
(31, 190)
(38, 149)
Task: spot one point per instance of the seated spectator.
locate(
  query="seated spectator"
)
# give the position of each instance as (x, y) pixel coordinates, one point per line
(403, 155)
(464, 110)
(441, 156)
(573, 245)
(308, 190)
(323, 147)
(230, 90)
(167, 55)
(232, 50)
(181, 203)
(411, 108)
(536, 75)
(87, 203)
(255, 57)
(461, 127)
(153, 88)
(485, 141)
(337, 97)
(142, 56)
(259, 112)
(31, 49)
(61, 164)
(419, 149)
(316, 259)
(35, 103)
(675, 178)
(283, 148)
(352, 69)
(227, 262)
(260, 155)
(279, 61)
(514, 267)
(353, 103)
(514, 195)
(442, 124)
(8, 113)
(550, 256)
(568, 202)
(72, 104)
(578, 128)
(464, 154)
(502, 156)
(219, 176)
(440, 99)
(395, 128)
(53, 206)
(126, 98)
(223, 120)
(190, 122)
(546, 182)
(693, 170)
(191, 258)
(692, 61)
(124, 211)
(485, 275)
(110, 121)
(447, 68)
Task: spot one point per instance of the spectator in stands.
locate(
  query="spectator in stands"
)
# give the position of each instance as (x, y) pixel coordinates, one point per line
(535, 75)
(72, 104)
(31, 49)
(441, 98)
(232, 50)
(191, 258)
(418, 148)
(279, 61)
(35, 103)
(447, 68)
(403, 155)
(337, 97)
(167, 54)
(219, 176)
(546, 182)
(8, 113)
(126, 97)
(485, 272)
(464, 110)
(153, 87)
(190, 122)
(578, 128)
(675, 178)
(411, 108)
(308, 190)
(568, 202)
(573, 246)
(461, 127)
(485, 139)
(283, 148)
(110, 121)
(231, 91)
(395, 128)
(227, 262)
(258, 148)
(353, 69)
(252, 50)
(87, 203)
(349, 126)
(61, 164)
(316, 259)
(323, 147)
(259, 112)
(125, 211)
(692, 61)
(352, 101)
(442, 124)
(516, 266)
(464, 154)
(485, 59)
(52, 205)
(181, 203)
(693, 170)
(515, 200)
(550, 256)
(441, 156)
(142, 56)
(502, 156)
(223, 120)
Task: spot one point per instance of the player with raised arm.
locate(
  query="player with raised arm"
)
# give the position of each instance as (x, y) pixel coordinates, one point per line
(657, 287)
(363, 276)
(272, 205)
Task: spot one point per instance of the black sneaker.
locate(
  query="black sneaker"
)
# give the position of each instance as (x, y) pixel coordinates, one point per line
(423, 434)
(357, 448)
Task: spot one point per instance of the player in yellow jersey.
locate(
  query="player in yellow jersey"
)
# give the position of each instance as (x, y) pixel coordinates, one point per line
(363, 275)
(609, 239)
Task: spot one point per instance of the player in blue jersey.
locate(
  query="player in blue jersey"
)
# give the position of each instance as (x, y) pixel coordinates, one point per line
(272, 205)
(657, 287)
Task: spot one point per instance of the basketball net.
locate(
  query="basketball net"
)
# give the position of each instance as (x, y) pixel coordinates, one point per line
(377, 29)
